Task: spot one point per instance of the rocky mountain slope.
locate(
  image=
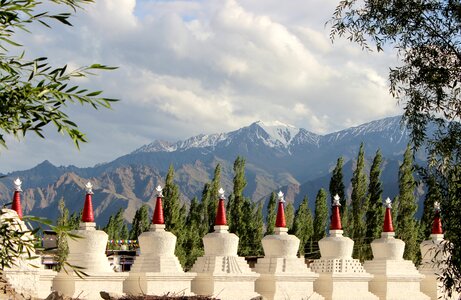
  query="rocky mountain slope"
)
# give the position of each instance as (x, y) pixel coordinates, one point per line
(278, 156)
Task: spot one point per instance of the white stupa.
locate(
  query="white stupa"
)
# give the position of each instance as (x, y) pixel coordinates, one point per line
(157, 271)
(27, 274)
(89, 253)
(221, 273)
(283, 275)
(432, 262)
(394, 277)
(341, 276)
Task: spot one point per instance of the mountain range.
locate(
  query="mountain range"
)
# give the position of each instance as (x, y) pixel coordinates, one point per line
(278, 156)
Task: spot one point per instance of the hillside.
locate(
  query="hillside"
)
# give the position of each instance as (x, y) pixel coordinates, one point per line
(278, 156)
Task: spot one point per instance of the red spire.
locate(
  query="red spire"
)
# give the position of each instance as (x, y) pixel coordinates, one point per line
(388, 227)
(280, 221)
(335, 215)
(16, 206)
(437, 223)
(158, 212)
(221, 213)
(87, 215)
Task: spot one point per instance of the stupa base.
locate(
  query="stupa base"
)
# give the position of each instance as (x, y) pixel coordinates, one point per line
(46, 282)
(155, 283)
(89, 287)
(226, 287)
(431, 286)
(395, 279)
(287, 286)
(344, 286)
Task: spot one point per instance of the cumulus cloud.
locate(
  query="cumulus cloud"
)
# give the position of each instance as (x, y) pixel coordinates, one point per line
(190, 67)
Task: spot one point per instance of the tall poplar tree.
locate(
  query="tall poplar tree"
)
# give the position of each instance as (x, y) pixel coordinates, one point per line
(193, 239)
(359, 204)
(172, 204)
(206, 219)
(271, 214)
(174, 213)
(116, 229)
(303, 226)
(140, 223)
(321, 216)
(406, 226)
(251, 239)
(237, 200)
(336, 183)
(375, 212)
(289, 215)
(63, 248)
(433, 194)
(337, 188)
(215, 185)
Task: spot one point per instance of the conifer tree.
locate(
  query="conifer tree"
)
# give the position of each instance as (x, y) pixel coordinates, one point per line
(289, 215)
(359, 205)
(433, 194)
(271, 214)
(303, 226)
(406, 226)
(321, 217)
(375, 212)
(140, 223)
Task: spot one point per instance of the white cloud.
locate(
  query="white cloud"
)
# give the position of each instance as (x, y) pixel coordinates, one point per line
(190, 67)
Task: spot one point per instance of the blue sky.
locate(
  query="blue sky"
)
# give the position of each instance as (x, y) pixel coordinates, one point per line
(191, 67)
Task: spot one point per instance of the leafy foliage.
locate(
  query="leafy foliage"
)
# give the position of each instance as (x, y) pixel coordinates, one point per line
(425, 34)
(33, 93)
(65, 221)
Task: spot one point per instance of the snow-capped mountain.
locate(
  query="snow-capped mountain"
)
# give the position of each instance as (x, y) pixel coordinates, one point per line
(280, 136)
(277, 156)
(273, 135)
(391, 128)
